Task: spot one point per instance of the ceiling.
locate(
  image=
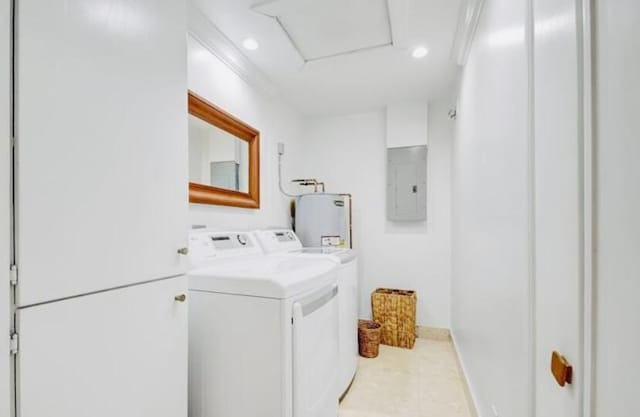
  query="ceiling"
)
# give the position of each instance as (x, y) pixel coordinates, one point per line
(343, 56)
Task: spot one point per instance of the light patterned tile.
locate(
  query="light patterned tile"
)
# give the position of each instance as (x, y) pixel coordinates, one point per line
(419, 382)
(433, 333)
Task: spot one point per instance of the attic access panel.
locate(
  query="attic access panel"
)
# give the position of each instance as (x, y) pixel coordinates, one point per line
(327, 28)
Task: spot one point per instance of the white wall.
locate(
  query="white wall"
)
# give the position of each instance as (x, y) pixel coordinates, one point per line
(5, 200)
(214, 81)
(349, 154)
(490, 246)
(617, 312)
(407, 124)
(224, 146)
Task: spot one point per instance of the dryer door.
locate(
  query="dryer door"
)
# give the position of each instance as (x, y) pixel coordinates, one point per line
(348, 324)
(315, 354)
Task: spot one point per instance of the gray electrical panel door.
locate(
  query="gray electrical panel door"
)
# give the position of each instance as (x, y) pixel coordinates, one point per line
(407, 183)
(225, 174)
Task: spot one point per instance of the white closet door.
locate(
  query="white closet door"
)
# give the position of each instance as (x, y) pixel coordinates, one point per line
(5, 203)
(558, 199)
(116, 353)
(101, 144)
(617, 226)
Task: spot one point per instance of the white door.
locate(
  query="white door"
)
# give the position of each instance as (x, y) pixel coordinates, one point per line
(5, 203)
(315, 354)
(101, 144)
(115, 353)
(348, 324)
(558, 200)
(617, 212)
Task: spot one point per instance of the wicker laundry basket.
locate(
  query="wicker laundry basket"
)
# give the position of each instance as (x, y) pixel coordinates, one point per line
(368, 338)
(395, 310)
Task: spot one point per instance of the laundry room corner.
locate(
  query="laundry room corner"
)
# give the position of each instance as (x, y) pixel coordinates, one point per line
(348, 152)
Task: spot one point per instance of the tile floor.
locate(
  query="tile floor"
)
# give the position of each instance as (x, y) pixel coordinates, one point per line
(422, 382)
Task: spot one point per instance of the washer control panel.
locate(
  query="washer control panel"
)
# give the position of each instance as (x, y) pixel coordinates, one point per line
(206, 245)
(231, 241)
(285, 236)
(278, 240)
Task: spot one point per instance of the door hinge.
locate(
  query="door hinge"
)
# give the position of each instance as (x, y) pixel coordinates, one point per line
(13, 275)
(13, 344)
(13, 141)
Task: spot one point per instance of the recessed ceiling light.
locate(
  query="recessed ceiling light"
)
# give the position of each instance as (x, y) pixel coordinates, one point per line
(250, 44)
(419, 52)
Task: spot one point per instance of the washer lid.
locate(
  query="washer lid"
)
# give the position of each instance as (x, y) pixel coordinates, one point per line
(341, 255)
(264, 276)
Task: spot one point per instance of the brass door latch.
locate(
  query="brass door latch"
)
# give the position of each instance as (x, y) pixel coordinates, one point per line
(561, 369)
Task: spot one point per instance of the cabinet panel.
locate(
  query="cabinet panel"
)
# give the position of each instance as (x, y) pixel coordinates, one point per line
(101, 144)
(117, 353)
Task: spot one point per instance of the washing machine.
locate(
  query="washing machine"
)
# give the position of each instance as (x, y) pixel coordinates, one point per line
(285, 241)
(263, 330)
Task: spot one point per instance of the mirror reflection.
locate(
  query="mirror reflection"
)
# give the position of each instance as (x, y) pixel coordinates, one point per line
(216, 157)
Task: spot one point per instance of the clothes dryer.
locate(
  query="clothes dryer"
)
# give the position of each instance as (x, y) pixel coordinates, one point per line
(263, 335)
(285, 241)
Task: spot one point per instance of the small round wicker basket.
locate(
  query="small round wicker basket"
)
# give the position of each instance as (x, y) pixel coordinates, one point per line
(368, 338)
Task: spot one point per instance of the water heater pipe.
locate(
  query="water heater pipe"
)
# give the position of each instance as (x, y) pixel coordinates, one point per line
(310, 182)
(350, 219)
(282, 190)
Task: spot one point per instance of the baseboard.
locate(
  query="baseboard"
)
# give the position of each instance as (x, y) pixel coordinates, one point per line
(468, 391)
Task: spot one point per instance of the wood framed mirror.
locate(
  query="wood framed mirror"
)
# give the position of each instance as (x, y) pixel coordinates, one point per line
(224, 157)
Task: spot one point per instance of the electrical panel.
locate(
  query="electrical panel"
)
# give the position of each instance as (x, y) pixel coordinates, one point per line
(407, 183)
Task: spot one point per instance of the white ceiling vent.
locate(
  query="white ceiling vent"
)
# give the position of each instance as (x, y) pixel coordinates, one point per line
(321, 29)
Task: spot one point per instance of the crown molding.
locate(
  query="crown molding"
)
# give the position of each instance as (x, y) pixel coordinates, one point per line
(204, 31)
(468, 19)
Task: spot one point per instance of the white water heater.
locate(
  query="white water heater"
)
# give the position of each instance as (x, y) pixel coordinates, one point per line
(322, 219)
